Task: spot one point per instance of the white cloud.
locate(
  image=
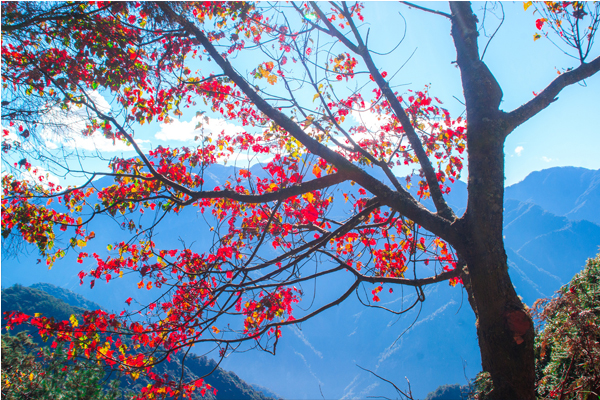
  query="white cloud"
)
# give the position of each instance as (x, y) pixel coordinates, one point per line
(40, 175)
(368, 390)
(184, 131)
(309, 368)
(547, 159)
(63, 128)
(519, 150)
(349, 390)
(372, 121)
(11, 136)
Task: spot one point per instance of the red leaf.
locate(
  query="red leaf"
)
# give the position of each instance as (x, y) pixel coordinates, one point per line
(539, 23)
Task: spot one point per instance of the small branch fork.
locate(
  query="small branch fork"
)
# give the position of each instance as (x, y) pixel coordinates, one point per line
(548, 95)
(408, 395)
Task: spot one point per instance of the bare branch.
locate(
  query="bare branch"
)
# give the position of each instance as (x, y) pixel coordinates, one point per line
(407, 395)
(548, 95)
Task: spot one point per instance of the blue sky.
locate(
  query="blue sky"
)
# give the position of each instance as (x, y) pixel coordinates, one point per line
(566, 133)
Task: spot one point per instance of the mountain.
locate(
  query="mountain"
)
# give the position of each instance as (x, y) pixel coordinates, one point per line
(545, 250)
(31, 300)
(67, 296)
(565, 191)
(433, 344)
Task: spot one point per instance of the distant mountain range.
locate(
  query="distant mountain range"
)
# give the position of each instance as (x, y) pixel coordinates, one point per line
(551, 228)
(564, 191)
(64, 303)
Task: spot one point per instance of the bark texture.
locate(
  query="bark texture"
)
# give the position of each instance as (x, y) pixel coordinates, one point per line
(504, 328)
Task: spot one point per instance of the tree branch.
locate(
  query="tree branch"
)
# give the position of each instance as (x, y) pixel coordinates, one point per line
(434, 186)
(444, 276)
(399, 200)
(548, 95)
(482, 91)
(281, 194)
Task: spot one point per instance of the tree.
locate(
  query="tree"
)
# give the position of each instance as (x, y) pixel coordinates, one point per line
(59, 59)
(567, 345)
(45, 374)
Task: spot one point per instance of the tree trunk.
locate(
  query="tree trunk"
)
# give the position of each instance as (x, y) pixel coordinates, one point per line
(504, 328)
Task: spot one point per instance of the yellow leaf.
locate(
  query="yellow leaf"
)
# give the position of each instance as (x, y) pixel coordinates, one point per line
(81, 243)
(527, 4)
(272, 79)
(74, 321)
(316, 171)
(308, 197)
(316, 96)
(31, 376)
(536, 37)
(263, 71)
(37, 314)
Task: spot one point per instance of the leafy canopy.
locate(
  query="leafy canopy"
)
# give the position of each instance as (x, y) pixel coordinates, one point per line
(271, 224)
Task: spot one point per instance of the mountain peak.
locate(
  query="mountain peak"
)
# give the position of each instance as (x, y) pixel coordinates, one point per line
(572, 192)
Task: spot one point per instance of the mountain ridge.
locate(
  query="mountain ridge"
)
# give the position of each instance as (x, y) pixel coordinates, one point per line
(34, 299)
(572, 192)
(544, 250)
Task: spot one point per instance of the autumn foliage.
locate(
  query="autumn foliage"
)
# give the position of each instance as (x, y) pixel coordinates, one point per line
(155, 61)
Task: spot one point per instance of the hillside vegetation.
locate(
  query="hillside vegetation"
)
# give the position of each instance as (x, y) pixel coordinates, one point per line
(22, 359)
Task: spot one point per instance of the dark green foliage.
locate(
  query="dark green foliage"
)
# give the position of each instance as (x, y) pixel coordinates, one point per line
(67, 296)
(31, 300)
(449, 392)
(229, 386)
(482, 386)
(567, 348)
(32, 373)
